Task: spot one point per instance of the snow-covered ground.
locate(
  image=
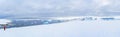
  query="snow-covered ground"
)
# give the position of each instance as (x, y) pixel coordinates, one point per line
(67, 29)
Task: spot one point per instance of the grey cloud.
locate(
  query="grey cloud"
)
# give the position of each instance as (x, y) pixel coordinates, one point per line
(47, 8)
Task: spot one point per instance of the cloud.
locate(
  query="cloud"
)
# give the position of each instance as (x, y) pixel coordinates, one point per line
(57, 7)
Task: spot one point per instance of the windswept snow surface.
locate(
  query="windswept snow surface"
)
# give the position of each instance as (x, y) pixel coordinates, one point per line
(67, 29)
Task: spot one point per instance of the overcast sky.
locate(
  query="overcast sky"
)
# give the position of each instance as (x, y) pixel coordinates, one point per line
(48, 8)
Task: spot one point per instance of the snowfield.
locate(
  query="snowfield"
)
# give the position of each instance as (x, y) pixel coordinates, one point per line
(67, 29)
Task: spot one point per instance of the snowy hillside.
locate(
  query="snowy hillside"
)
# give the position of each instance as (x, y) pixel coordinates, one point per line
(67, 29)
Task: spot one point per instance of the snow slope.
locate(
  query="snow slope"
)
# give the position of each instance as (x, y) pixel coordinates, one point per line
(67, 29)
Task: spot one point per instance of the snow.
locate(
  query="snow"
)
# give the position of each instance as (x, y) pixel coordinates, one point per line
(4, 21)
(67, 29)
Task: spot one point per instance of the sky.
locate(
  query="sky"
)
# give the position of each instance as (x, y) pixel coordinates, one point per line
(54, 8)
